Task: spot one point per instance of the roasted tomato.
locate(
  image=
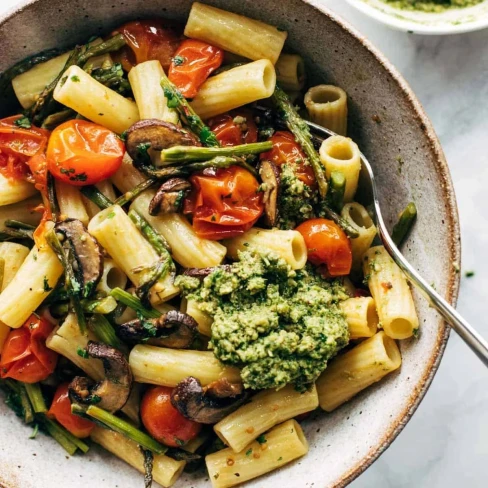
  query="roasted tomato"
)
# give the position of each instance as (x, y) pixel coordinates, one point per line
(224, 202)
(192, 64)
(61, 411)
(287, 150)
(234, 128)
(163, 421)
(327, 244)
(149, 40)
(83, 153)
(25, 356)
(18, 145)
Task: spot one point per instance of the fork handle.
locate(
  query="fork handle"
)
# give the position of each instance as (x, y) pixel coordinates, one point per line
(467, 333)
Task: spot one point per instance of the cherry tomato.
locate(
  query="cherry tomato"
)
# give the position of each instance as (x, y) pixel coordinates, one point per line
(25, 356)
(192, 64)
(224, 202)
(234, 128)
(149, 40)
(327, 244)
(287, 150)
(61, 411)
(18, 145)
(83, 153)
(163, 421)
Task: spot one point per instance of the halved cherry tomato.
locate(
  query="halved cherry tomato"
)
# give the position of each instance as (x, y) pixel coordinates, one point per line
(234, 128)
(149, 40)
(192, 64)
(61, 411)
(83, 153)
(25, 356)
(327, 244)
(163, 421)
(287, 150)
(18, 145)
(224, 202)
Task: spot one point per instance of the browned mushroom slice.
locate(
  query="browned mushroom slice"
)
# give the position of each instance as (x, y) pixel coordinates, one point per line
(270, 177)
(204, 272)
(169, 197)
(112, 393)
(85, 250)
(156, 135)
(207, 405)
(174, 329)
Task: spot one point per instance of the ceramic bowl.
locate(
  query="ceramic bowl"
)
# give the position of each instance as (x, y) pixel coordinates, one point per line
(387, 122)
(452, 21)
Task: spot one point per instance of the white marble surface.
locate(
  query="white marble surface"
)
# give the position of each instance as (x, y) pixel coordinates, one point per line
(446, 442)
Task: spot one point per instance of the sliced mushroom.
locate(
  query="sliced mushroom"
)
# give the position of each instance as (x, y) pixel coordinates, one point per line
(87, 253)
(270, 176)
(169, 197)
(112, 393)
(210, 404)
(174, 329)
(156, 135)
(204, 272)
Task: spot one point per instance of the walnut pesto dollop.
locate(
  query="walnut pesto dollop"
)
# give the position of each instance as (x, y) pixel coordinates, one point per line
(433, 6)
(278, 325)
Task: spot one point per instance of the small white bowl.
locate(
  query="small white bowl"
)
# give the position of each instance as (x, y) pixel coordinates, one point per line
(452, 21)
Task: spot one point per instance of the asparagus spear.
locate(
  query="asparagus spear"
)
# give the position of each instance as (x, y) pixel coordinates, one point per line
(113, 77)
(183, 154)
(188, 116)
(65, 438)
(101, 306)
(404, 224)
(112, 422)
(157, 241)
(79, 57)
(96, 196)
(346, 227)
(133, 302)
(135, 192)
(53, 120)
(302, 134)
(337, 187)
(104, 331)
(35, 396)
(17, 399)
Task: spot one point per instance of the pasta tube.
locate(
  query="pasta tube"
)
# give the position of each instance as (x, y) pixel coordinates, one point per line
(290, 72)
(361, 316)
(127, 177)
(234, 88)
(357, 369)
(82, 93)
(105, 187)
(145, 81)
(281, 445)
(187, 248)
(360, 220)
(203, 319)
(265, 410)
(116, 232)
(342, 154)
(167, 367)
(13, 256)
(31, 284)
(327, 106)
(22, 211)
(13, 190)
(165, 470)
(235, 33)
(70, 202)
(112, 277)
(288, 244)
(391, 294)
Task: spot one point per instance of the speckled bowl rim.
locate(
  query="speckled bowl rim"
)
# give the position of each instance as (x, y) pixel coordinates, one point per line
(449, 197)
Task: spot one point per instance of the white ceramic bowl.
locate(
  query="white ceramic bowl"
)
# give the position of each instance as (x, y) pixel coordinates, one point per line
(452, 21)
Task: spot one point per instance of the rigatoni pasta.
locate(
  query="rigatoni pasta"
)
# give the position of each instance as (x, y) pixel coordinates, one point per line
(357, 369)
(290, 72)
(13, 190)
(70, 202)
(13, 256)
(391, 294)
(361, 316)
(235, 33)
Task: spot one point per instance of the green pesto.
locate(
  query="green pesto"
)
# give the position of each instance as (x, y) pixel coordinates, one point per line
(433, 6)
(278, 325)
(296, 200)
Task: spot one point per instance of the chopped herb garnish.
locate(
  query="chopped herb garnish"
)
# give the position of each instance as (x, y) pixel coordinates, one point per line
(280, 458)
(82, 352)
(249, 452)
(63, 80)
(46, 285)
(469, 274)
(178, 60)
(79, 177)
(23, 122)
(68, 171)
(110, 215)
(75, 78)
(34, 432)
(261, 439)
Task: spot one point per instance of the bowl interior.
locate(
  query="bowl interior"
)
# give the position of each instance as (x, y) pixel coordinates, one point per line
(390, 128)
(450, 21)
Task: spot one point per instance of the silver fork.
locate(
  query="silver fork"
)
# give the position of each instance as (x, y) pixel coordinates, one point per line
(368, 188)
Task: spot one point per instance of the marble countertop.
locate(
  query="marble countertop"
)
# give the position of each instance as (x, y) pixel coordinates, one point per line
(445, 443)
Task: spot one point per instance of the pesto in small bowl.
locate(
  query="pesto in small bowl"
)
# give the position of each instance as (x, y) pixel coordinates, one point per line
(432, 6)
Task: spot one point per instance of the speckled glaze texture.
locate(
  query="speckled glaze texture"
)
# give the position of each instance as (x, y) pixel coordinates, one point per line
(390, 126)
